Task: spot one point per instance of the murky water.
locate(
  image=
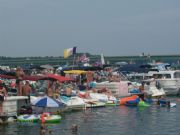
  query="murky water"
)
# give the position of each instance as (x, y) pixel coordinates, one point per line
(120, 120)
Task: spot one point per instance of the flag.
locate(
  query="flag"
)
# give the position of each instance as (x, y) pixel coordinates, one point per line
(84, 59)
(97, 64)
(70, 51)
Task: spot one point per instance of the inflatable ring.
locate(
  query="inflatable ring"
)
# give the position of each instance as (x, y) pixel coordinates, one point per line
(47, 118)
(28, 118)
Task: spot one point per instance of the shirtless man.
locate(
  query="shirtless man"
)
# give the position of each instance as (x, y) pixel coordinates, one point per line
(26, 89)
(19, 87)
(49, 90)
(19, 73)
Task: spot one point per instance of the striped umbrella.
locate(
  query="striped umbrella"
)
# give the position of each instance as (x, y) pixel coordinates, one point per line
(47, 102)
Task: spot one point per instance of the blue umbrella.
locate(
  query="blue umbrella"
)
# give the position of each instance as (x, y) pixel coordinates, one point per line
(47, 102)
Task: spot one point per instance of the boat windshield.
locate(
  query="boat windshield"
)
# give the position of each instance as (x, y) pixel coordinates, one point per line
(162, 76)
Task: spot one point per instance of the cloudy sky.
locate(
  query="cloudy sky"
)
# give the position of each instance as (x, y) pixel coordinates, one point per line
(112, 27)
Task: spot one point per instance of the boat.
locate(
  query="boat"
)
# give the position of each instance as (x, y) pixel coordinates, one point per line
(172, 105)
(152, 89)
(99, 96)
(112, 103)
(90, 103)
(73, 103)
(169, 80)
(109, 100)
(12, 105)
(118, 89)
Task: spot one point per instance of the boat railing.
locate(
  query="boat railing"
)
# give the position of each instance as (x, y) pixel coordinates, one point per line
(123, 77)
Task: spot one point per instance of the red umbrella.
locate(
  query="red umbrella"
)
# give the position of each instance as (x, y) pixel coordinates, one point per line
(7, 76)
(56, 77)
(32, 78)
(44, 77)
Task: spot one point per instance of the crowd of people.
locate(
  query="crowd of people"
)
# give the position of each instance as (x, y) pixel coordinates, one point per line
(82, 82)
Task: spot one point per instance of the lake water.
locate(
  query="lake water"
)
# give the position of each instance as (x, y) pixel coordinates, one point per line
(120, 120)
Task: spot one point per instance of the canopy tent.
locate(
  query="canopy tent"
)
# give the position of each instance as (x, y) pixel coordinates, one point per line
(55, 78)
(42, 77)
(7, 76)
(36, 67)
(30, 78)
(3, 72)
(88, 68)
(134, 68)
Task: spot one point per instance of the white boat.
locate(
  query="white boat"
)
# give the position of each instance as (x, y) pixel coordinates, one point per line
(73, 102)
(153, 90)
(99, 97)
(90, 103)
(11, 106)
(111, 100)
(92, 100)
(138, 77)
(169, 80)
(118, 89)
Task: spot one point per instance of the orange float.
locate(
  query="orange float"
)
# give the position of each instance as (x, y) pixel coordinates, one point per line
(122, 101)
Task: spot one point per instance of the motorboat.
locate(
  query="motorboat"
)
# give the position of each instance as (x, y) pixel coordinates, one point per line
(73, 102)
(169, 80)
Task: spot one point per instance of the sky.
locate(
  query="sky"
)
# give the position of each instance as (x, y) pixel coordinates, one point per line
(112, 27)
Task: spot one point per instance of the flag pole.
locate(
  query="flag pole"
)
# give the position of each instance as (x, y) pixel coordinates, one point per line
(74, 54)
(73, 61)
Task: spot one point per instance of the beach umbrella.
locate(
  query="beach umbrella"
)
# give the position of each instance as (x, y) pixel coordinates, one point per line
(47, 102)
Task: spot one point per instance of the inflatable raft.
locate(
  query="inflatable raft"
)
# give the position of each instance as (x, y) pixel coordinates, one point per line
(123, 101)
(132, 102)
(47, 118)
(28, 118)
